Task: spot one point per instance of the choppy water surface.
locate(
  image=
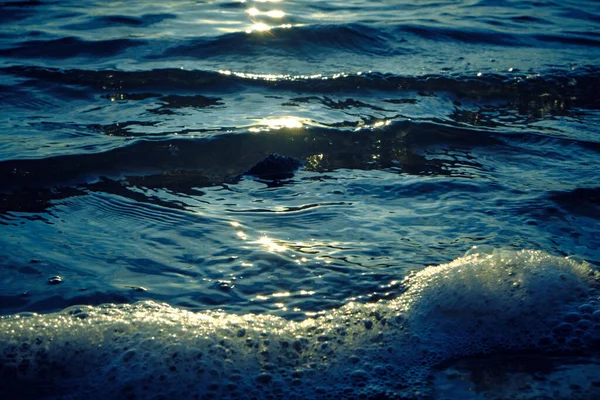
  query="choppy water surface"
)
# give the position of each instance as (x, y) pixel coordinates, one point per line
(423, 129)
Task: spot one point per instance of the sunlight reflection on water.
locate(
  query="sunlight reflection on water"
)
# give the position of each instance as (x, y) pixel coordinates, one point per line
(268, 124)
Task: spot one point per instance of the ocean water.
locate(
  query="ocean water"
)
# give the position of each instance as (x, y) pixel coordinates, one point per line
(429, 226)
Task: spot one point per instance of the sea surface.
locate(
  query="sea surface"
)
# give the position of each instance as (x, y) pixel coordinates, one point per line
(430, 211)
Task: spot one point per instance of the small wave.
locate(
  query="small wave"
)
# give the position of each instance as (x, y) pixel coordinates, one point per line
(106, 21)
(11, 11)
(570, 40)
(171, 102)
(352, 38)
(295, 209)
(463, 35)
(507, 301)
(122, 209)
(192, 160)
(69, 47)
(579, 201)
(577, 88)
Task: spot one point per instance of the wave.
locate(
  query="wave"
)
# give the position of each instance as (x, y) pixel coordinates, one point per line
(11, 11)
(177, 160)
(569, 39)
(488, 37)
(352, 38)
(183, 163)
(577, 87)
(69, 47)
(310, 40)
(500, 38)
(120, 20)
(579, 201)
(481, 304)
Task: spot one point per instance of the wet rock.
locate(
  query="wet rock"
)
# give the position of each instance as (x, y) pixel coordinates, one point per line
(275, 167)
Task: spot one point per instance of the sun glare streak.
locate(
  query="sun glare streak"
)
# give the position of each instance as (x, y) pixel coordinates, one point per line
(284, 122)
(268, 124)
(275, 14)
(287, 77)
(259, 27)
(271, 246)
(375, 125)
(253, 11)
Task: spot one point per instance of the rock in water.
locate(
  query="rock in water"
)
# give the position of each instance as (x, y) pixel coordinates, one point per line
(275, 167)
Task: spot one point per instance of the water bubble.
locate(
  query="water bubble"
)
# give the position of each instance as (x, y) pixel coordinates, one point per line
(359, 375)
(563, 329)
(584, 324)
(586, 308)
(264, 379)
(572, 317)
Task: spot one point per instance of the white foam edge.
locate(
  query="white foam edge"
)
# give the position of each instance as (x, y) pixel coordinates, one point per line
(482, 303)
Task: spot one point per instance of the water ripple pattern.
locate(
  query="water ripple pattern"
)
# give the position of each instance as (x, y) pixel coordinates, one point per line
(300, 171)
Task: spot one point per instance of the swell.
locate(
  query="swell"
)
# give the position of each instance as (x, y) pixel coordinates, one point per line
(352, 38)
(11, 11)
(497, 38)
(120, 20)
(182, 163)
(309, 40)
(579, 201)
(68, 47)
(192, 161)
(487, 37)
(578, 88)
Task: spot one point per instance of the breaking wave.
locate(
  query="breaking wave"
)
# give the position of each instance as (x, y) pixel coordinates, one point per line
(481, 304)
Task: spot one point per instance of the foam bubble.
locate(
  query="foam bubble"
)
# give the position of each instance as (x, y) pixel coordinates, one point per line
(478, 304)
(502, 298)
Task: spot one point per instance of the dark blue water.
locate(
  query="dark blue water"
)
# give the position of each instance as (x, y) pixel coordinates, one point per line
(407, 133)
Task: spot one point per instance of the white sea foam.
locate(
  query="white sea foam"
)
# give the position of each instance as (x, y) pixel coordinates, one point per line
(478, 304)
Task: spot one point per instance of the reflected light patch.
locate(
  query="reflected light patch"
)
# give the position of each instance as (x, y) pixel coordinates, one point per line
(253, 11)
(275, 14)
(270, 245)
(268, 124)
(217, 22)
(314, 162)
(375, 125)
(260, 27)
(285, 122)
(272, 77)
